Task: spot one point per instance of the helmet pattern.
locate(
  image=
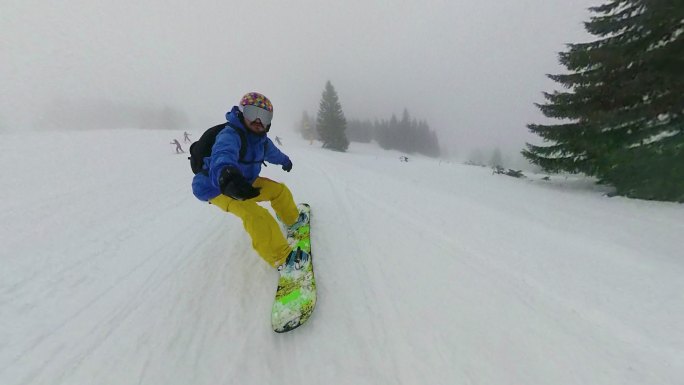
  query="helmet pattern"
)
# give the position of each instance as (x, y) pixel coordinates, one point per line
(256, 99)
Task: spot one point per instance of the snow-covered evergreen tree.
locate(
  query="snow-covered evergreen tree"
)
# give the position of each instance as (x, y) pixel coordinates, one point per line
(624, 104)
(331, 123)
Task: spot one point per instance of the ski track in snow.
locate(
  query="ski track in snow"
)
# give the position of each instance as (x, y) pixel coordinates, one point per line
(426, 273)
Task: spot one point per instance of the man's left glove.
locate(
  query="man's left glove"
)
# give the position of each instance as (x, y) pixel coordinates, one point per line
(235, 185)
(287, 166)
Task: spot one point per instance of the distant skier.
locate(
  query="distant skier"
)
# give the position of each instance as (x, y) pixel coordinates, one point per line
(179, 149)
(277, 138)
(236, 187)
(186, 137)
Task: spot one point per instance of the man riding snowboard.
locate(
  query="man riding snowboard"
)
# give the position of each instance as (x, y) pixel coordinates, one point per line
(232, 183)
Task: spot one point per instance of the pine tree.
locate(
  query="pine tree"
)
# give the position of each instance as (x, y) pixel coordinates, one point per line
(306, 127)
(404, 134)
(383, 134)
(331, 123)
(392, 128)
(496, 159)
(624, 104)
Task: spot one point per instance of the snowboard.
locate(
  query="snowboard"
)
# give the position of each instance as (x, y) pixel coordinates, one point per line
(296, 295)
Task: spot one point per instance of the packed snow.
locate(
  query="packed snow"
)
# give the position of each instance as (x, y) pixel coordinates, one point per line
(428, 272)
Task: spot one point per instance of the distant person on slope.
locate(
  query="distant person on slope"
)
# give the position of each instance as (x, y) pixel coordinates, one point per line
(186, 137)
(236, 187)
(179, 149)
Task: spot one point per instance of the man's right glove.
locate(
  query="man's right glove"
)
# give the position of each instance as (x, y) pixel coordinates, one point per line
(234, 185)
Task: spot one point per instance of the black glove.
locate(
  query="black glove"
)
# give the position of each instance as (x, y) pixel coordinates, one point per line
(234, 185)
(287, 166)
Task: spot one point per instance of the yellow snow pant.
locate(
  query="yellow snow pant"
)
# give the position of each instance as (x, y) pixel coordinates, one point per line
(267, 238)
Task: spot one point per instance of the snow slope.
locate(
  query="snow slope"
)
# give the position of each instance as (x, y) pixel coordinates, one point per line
(428, 272)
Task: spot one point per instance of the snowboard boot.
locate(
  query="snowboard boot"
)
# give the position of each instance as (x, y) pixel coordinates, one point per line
(297, 260)
(302, 220)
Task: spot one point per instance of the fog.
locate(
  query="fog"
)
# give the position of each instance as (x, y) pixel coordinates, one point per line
(471, 68)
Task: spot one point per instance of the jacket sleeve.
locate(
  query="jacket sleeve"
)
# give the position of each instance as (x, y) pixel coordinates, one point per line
(225, 152)
(274, 155)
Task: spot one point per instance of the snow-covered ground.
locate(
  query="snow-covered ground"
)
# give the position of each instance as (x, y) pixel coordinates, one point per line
(111, 272)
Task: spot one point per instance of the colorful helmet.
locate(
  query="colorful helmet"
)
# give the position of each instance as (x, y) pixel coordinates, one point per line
(256, 99)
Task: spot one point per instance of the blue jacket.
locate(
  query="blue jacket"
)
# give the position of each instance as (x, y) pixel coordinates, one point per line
(226, 152)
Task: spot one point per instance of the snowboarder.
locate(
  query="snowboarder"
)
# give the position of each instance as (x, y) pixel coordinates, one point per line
(235, 186)
(179, 149)
(186, 137)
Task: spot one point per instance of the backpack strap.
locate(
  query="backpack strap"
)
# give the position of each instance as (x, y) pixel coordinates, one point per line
(243, 141)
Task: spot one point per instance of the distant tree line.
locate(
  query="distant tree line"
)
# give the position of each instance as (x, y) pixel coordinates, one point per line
(335, 131)
(104, 114)
(407, 135)
(623, 104)
(361, 131)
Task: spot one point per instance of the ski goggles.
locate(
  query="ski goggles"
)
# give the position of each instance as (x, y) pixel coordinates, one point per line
(252, 113)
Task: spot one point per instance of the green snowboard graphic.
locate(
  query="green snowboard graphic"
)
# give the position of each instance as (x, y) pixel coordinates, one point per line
(296, 295)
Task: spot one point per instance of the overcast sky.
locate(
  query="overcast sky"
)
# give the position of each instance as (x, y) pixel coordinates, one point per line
(471, 68)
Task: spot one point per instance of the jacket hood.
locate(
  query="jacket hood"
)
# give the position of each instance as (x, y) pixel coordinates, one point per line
(233, 117)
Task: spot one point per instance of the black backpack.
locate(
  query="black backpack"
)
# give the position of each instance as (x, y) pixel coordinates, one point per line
(202, 147)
